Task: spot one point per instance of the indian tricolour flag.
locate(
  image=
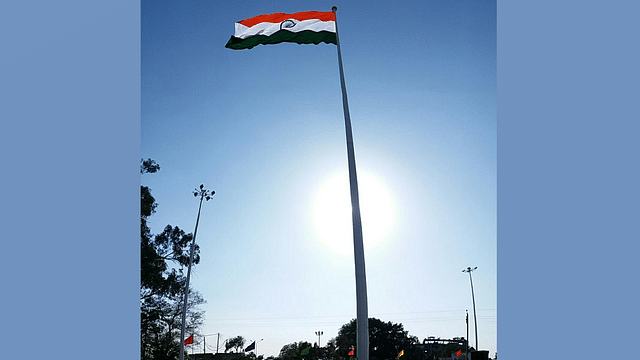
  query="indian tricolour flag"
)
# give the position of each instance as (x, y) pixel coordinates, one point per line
(309, 27)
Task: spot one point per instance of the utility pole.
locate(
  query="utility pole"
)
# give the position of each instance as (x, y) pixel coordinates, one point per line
(467, 340)
(475, 322)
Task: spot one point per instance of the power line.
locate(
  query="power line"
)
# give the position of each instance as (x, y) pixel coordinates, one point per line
(342, 316)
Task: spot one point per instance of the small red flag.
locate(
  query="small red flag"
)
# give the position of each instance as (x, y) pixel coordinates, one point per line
(352, 352)
(459, 352)
(189, 340)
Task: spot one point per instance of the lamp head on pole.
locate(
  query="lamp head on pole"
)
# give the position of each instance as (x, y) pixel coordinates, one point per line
(204, 193)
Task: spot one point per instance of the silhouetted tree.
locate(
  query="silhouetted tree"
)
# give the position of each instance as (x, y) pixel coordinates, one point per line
(236, 343)
(162, 257)
(294, 351)
(386, 340)
(331, 350)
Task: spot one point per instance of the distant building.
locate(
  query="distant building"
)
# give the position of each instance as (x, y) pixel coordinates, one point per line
(444, 349)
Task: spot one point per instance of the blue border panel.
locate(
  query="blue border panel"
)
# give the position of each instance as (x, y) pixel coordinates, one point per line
(70, 140)
(568, 170)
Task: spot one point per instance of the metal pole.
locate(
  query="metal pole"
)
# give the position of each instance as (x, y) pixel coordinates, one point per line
(319, 333)
(203, 194)
(475, 321)
(362, 319)
(467, 340)
(205, 341)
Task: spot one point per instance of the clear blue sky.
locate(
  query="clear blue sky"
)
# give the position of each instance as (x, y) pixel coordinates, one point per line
(264, 128)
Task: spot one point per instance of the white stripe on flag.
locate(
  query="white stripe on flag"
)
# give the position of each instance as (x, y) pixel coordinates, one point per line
(268, 28)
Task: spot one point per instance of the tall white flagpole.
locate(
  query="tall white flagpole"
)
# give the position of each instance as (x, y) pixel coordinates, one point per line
(362, 319)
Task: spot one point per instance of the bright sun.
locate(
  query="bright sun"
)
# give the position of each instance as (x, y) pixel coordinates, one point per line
(332, 212)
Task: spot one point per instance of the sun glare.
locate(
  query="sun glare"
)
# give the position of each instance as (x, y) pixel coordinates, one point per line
(332, 212)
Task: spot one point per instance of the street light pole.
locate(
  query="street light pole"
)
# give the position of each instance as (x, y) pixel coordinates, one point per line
(475, 322)
(204, 194)
(319, 333)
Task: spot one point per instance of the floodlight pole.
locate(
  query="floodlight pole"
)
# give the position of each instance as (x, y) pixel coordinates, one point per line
(475, 322)
(362, 312)
(204, 194)
(319, 333)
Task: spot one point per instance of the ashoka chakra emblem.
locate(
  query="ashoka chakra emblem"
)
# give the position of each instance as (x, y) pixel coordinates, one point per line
(287, 24)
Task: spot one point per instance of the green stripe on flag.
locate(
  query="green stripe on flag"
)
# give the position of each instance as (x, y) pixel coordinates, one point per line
(303, 37)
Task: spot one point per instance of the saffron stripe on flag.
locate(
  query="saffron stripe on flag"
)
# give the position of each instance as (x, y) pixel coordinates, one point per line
(280, 17)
